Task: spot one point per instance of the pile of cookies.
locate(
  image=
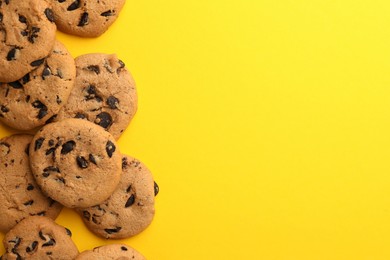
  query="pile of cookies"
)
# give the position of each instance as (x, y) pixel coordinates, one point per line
(74, 110)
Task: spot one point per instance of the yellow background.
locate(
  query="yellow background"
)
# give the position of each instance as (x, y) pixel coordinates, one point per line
(266, 124)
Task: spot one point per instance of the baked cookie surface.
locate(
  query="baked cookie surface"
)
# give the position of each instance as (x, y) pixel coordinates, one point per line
(130, 209)
(104, 93)
(39, 238)
(111, 252)
(75, 162)
(86, 18)
(38, 96)
(27, 34)
(20, 196)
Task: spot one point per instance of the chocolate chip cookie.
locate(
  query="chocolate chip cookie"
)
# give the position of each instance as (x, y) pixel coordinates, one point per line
(39, 238)
(85, 18)
(37, 97)
(104, 93)
(113, 251)
(20, 196)
(75, 162)
(27, 34)
(130, 209)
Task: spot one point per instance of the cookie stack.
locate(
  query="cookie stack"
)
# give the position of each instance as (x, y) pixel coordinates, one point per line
(75, 110)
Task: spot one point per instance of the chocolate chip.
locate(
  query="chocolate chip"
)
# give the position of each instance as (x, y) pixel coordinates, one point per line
(32, 247)
(26, 78)
(110, 148)
(36, 63)
(22, 19)
(80, 115)
(86, 215)
(108, 13)
(104, 120)
(58, 100)
(1, 17)
(49, 14)
(121, 64)
(49, 253)
(42, 108)
(34, 34)
(28, 98)
(94, 68)
(12, 54)
(60, 179)
(51, 119)
(61, 1)
(38, 143)
(68, 232)
(46, 72)
(124, 163)
(42, 213)
(92, 159)
(83, 19)
(41, 235)
(30, 186)
(112, 230)
(112, 102)
(130, 201)
(73, 6)
(51, 142)
(4, 109)
(50, 151)
(124, 248)
(68, 147)
(156, 189)
(15, 85)
(47, 170)
(81, 162)
(128, 189)
(28, 203)
(51, 242)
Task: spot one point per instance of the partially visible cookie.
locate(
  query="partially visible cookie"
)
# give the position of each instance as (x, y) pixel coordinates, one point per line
(85, 18)
(111, 252)
(39, 238)
(20, 196)
(104, 93)
(75, 162)
(130, 209)
(27, 34)
(38, 96)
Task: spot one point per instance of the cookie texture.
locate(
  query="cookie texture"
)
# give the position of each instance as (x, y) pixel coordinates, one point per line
(20, 196)
(37, 97)
(27, 34)
(104, 93)
(86, 18)
(39, 238)
(130, 209)
(75, 162)
(111, 252)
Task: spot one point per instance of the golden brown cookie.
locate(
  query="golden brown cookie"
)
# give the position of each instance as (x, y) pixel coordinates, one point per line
(111, 252)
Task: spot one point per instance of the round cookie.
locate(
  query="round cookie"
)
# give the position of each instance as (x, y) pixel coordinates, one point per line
(27, 34)
(104, 93)
(130, 209)
(75, 162)
(39, 238)
(38, 96)
(20, 196)
(85, 18)
(111, 252)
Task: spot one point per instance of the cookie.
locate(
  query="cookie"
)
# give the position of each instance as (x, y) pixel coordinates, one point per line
(39, 238)
(130, 209)
(20, 196)
(75, 162)
(37, 97)
(27, 34)
(113, 251)
(104, 93)
(85, 18)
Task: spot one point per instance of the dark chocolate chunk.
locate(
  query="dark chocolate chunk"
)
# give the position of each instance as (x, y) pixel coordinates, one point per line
(22, 19)
(86, 215)
(110, 148)
(80, 115)
(68, 147)
(68, 232)
(28, 98)
(26, 78)
(124, 163)
(42, 108)
(51, 142)
(36, 63)
(121, 64)
(104, 120)
(81, 162)
(46, 72)
(58, 100)
(15, 84)
(28, 203)
(49, 14)
(41, 235)
(11, 54)
(50, 151)
(130, 201)
(74, 5)
(1, 17)
(108, 13)
(51, 119)
(38, 143)
(94, 68)
(83, 20)
(42, 213)
(49, 253)
(51, 242)
(92, 159)
(4, 109)
(112, 102)
(156, 189)
(30, 186)
(124, 248)
(112, 230)
(128, 189)
(60, 179)
(32, 247)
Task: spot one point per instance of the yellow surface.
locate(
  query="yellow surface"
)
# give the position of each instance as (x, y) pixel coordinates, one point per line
(266, 124)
